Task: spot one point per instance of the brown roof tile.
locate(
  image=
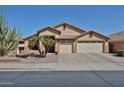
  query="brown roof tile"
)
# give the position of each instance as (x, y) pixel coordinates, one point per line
(85, 33)
(119, 36)
(49, 28)
(70, 26)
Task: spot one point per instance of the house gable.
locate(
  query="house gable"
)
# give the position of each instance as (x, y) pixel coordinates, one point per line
(92, 36)
(67, 29)
(49, 31)
(29, 37)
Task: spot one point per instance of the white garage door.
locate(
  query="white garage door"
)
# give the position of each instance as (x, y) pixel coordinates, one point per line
(89, 48)
(66, 48)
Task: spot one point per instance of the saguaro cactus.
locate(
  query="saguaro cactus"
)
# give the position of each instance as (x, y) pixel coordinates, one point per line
(9, 39)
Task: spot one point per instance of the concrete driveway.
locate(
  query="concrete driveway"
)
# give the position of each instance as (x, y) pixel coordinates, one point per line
(69, 62)
(89, 61)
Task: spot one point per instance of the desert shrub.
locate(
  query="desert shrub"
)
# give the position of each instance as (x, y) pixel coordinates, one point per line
(120, 53)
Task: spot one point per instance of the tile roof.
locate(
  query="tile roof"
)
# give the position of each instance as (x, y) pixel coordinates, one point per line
(119, 36)
(49, 28)
(79, 29)
(94, 33)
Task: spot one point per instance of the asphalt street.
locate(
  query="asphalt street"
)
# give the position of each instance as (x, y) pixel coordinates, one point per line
(62, 79)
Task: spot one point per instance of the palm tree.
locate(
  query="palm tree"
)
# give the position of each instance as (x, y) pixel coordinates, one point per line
(35, 42)
(46, 41)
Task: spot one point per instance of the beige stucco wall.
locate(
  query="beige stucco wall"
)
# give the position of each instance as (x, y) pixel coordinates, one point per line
(74, 47)
(57, 47)
(26, 45)
(68, 31)
(87, 38)
(106, 47)
(60, 28)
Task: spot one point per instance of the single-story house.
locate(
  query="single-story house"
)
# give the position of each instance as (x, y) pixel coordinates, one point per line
(116, 42)
(71, 39)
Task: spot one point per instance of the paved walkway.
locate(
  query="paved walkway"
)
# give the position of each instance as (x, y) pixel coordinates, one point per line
(69, 62)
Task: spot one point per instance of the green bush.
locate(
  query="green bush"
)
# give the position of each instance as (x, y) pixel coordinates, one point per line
(120, 53)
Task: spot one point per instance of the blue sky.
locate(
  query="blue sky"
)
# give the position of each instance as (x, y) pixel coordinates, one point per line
(29, 19)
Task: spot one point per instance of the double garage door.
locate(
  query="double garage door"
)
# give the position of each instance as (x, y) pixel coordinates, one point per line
(82, 48)
(89, 47)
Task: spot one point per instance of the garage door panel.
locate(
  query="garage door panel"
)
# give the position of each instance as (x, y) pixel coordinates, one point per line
(65, 48)
(90, 47)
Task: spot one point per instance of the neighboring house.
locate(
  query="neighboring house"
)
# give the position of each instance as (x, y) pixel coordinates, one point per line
(117, 41)
(71, 39)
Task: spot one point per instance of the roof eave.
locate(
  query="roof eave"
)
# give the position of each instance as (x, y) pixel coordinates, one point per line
(71, 26)
(83, 34)
(48, 28)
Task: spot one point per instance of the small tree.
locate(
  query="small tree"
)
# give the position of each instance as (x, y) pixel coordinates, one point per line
(9, 40)
(35, 42)
(47, 42)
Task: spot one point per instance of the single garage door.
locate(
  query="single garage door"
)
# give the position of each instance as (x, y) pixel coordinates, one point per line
(89, 47)
(66, 48)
